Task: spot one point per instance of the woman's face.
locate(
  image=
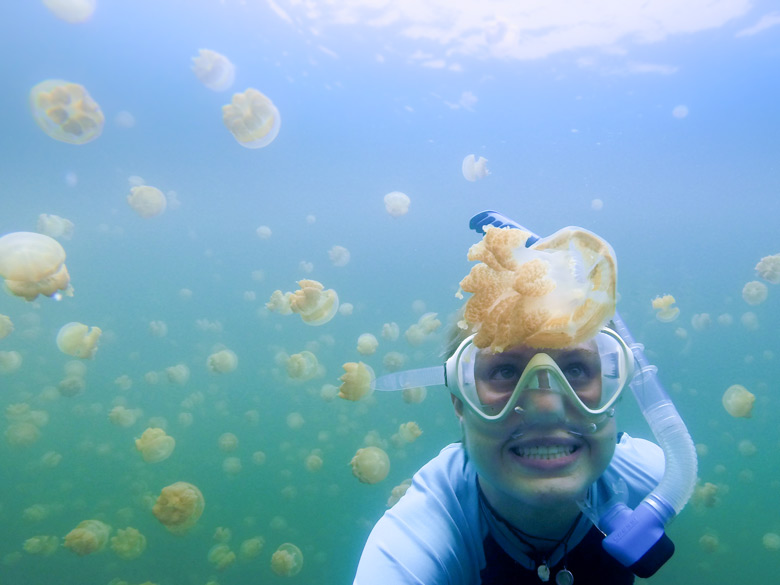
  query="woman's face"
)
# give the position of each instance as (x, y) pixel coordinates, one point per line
(547, 453)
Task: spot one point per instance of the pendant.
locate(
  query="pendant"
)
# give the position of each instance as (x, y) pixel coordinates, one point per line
(564, 577)
(544, 572)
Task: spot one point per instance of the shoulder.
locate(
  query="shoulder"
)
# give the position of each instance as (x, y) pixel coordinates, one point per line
(433, 534)
(640, 463)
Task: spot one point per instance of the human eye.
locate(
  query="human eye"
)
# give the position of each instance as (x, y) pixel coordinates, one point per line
(503, 373)
(578, 373)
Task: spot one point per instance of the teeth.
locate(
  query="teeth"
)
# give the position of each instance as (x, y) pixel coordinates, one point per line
(545, 452)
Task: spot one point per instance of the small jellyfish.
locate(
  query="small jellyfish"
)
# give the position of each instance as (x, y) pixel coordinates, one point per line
(771, 541)
(397, 203)
(414, 395)
(178, 374)
(66, 111)
(287, 560)
(356, 381)
(78, 340)
(315, 305)
(251, 548)
(179, 506)
(128, 543)
(252, 119)
(390, 331)
(370, 465)
(72, 11)
(709, 542)
(42, 545)
(409, 432)
(123, 416)
(755, 292)
(33, 264)
(222, 362)
(666, 313)
(313, 462)
(768, 268)
(55, 226)
(215, 71)
(155, 445)
(221, 556)
(738, 401)
(393, 361)
(701, 321)
(367, 344)
(747, 448)
(147, 201)
(295, 421)
(263, 232)
(88, 537)
(227, 442)
(474, 168)
(6, 326)
(158, 328)
(280, 303)
(302, 366)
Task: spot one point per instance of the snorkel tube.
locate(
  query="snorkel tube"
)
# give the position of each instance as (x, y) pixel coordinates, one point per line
(636, 538)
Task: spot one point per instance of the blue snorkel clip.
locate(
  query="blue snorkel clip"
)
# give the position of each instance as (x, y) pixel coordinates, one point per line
(637, 538)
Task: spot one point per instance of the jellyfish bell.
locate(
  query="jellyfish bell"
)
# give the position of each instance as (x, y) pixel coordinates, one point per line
(356, 381)
(78, 340)
(72, 11)
(666, 313)
(397, 203)
(474, 168)
(287, 560)
(66, 112)
(768, 268)
(55, 226)
(155, 445)
(33, 264)
(179, 507)
(252, 119)
(315, 305)
(213, 70)
(88, 537)
(738, 401)
(370, 465)
(147, 201)
(755, 292)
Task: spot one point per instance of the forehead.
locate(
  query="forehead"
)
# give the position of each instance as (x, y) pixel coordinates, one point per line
(585, 348)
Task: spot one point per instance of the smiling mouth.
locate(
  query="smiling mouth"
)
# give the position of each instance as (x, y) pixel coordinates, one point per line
(544, 451)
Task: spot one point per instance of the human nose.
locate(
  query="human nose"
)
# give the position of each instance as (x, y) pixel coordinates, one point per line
(540, 399)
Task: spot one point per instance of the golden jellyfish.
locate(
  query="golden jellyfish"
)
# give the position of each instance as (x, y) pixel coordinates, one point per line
(302, 366)
(315, 305)
(295, 421)
(263, 232)
(768, 268)
(339, 256)
(72, 11)
(128, 543)
(6, 326)
(329, 392)
(367, 344)
(213, 70)
(22, 434)
(252, 119)
(749, 320)
(280, 302)
(221, 556)
(474, 168)
(66, 111)
(409, 431)
(755, 292)
(738, 401)
(398, 492)
(227, 442)
(771, 541)
(556, 293)
(390, 331)
(88, 537)
(251, 548)
(414, 395)
(124, 417)
(287, 560)
(33, 264)
(701, 321)
(147, 201)
(346, 309)
(370, 465)
(178, 374)
(232, 465)
(55, 226)
(222, 362)
(155, 445)
(44, 545)
(665, 312)
(78, 340)
(179, 507)
(356, 381)
(709, 542)
(313, 462)
(397, 203)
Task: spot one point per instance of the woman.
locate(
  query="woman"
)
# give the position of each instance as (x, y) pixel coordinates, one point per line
(540, 444)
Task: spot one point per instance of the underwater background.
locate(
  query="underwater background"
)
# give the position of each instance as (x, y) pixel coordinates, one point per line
(653, 124)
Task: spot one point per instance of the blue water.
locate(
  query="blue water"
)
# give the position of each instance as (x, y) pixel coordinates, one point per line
(566, 115)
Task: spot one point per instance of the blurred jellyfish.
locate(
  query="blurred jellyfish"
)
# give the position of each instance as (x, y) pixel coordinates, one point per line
(339, 256)
(128, 543)
(72, 11)
(414, 395)
(280, 303)
(227, 442)
(215, 71)
(124, 417)
(251, 548)
(356, 381)
(33, 264)
(147, 201)
(263, 232)
(179, 507)
(665, 311)
(221, 556)
(155, 445)
(55, 226)
(346, 309)
(88, 537)
(302, 366)
(738, 401)
(597, 205)
(6, 326)
(222, 362)
(252, 119)
(749, 320)
(725, 319)
(231, 465)
(771, 541)
(42, 545)
(398, 492)
(295, 420)
(474, 168)
(329, 392)
(393, 361)
(409, 432)
(287, 560)
(747, 448)
(65, 111)
(701, 321)
(178, 374)
(709, 542)
(78, 340)
(370, 465)
(755, 292)
(258, 457)
(680, 112)
(367, 344)
(768, 268)
(158, 328)
(397, 203)
(313, 462)
(124, 119)
(390, 331)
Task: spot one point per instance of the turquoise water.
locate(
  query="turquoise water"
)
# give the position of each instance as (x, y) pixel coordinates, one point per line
(568, 108)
